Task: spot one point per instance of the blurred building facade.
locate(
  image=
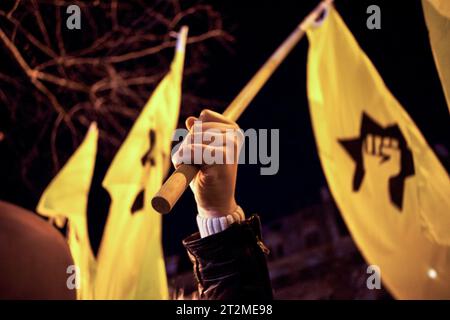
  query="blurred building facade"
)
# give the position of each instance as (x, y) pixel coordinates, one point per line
(312, 256)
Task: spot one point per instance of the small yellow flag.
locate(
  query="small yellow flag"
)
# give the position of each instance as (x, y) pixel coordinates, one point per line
(391, 189)
(437, 16)
(131, 261)
(66, 197)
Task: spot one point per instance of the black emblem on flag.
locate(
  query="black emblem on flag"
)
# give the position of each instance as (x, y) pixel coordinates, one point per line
(383, 143)
(138, 203)
(148, 156)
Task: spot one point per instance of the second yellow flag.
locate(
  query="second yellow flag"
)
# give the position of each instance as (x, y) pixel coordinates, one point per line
(131, 260)
(388, 184)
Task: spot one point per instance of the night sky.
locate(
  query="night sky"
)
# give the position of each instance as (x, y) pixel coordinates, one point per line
(400, 51)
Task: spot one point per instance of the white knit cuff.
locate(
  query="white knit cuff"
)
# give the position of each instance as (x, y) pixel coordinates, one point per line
(210, 226)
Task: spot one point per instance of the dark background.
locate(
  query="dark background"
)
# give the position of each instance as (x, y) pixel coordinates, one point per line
(400, 51)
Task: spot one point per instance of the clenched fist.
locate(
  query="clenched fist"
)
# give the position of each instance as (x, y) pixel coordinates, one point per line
(381, 155)
(213, 143)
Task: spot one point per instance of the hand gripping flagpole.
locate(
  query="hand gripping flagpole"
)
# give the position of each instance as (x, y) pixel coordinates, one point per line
(177, 183)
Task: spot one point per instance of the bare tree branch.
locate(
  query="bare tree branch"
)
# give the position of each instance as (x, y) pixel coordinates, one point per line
(56, 81)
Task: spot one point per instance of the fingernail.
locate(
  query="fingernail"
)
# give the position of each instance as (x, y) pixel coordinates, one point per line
(203, 113)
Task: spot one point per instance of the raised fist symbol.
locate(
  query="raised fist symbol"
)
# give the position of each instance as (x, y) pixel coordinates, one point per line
(381, 156)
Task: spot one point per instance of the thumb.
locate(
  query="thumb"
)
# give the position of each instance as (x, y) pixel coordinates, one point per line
(190, 122)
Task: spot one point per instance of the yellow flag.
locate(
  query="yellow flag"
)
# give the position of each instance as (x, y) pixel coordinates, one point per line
(66, 197)
(437, 16)
(131, 261)
(391, 189)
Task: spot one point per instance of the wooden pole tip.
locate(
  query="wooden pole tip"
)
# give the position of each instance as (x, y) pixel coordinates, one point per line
(161, 205)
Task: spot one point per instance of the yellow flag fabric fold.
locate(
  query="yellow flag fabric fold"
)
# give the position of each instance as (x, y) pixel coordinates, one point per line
(391, 189)
(130, 256)
(66, 198)
(437, 17)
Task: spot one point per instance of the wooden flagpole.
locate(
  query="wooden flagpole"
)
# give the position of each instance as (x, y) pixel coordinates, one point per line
(177, 183)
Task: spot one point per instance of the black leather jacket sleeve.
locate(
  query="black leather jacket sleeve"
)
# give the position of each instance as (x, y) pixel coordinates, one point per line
(231, 264)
